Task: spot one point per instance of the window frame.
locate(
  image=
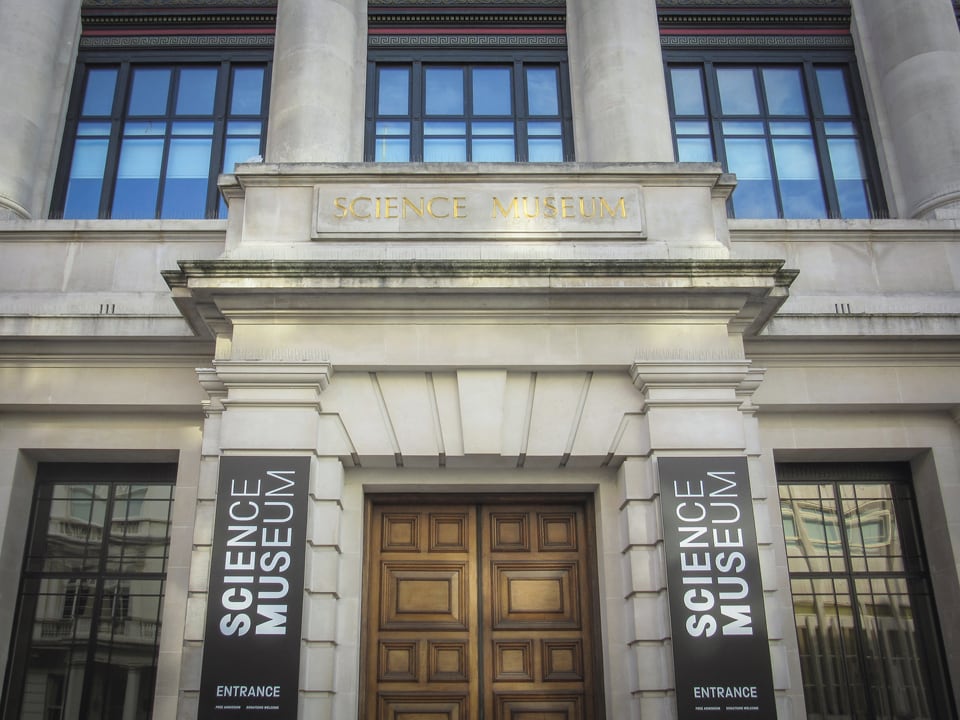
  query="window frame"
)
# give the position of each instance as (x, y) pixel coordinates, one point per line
(915, 573)
(124, 62)
(517, 59)
(94, 589)
(808, 61)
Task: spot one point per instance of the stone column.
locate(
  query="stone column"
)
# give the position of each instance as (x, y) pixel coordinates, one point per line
(620, 111)
(910, 56)
(319, 75)
(45, 32)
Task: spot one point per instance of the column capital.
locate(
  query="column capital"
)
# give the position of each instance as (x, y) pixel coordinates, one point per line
(274, 373)
(727, 373)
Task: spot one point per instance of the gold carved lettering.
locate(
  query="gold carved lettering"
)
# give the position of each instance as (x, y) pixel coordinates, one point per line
(416, 208)
(353, 207)
(621, 206)
(440, 207)
(505, 211)
(430, 203)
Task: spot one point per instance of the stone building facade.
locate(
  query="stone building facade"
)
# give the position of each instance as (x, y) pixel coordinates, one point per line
(505, 286)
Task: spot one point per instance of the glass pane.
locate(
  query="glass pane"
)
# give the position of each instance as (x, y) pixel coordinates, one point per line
(801, 192)
(444, 128)
(392, 150)
(491, 91)
(492, 128)
(393, 127)
(846, 159)
(444, 150)
(784, 90)
(753, 196)
(896, 672)
(691, 127)
(443, 88)
(138, 178)
(833, 91)
(829, 657)
(741, 127)
(247, 92)
(68, 618)
(493, 150)
(393, 94)
(687, 86)
(839, 128)
(543, 128)
(145, 128)
(148, 94)
(545, 150)
(738, 92)
(192, 128)
(196, 91)
(188, 174)
(790, 128)
(238, 150)
(848, 177)
(98, 97)
(86, 179)
(543, 97)
(244, 127)
(694, 150)
(93, 128)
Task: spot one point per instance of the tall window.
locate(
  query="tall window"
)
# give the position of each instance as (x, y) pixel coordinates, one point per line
(791, 132)
(88, 623)
(866, 628)
(147, 140)
(498, 110)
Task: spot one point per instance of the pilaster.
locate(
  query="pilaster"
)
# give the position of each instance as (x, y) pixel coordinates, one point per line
(691, 406)
(271, 406)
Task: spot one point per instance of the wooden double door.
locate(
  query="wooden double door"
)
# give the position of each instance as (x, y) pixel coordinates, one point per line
(480, 611)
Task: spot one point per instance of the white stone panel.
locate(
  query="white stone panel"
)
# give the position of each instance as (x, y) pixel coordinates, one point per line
(481, 410)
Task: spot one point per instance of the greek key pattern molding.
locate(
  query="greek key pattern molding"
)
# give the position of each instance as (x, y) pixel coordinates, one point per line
(793, 4)
(182, 4)
(142, 42)
(466, 41)
(758, 42)
(472, 5)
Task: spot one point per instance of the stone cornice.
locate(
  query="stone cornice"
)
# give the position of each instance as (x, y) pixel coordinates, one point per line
(834, 231)
(303, 271)
(208, 293)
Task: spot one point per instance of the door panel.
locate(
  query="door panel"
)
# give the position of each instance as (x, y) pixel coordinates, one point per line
(536, 600)
(478, 611)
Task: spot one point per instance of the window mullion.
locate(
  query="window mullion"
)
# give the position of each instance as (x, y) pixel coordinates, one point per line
(417, 109)
(96, 601)
(218, 147)
(521, 116)
(117, 120)
(818, 118)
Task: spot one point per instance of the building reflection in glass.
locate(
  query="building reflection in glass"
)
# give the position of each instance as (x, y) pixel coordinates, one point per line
(91, 599)
(859, 584)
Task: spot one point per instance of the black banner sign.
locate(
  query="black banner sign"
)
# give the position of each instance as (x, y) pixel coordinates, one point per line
(720, 650)
(251, 652)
